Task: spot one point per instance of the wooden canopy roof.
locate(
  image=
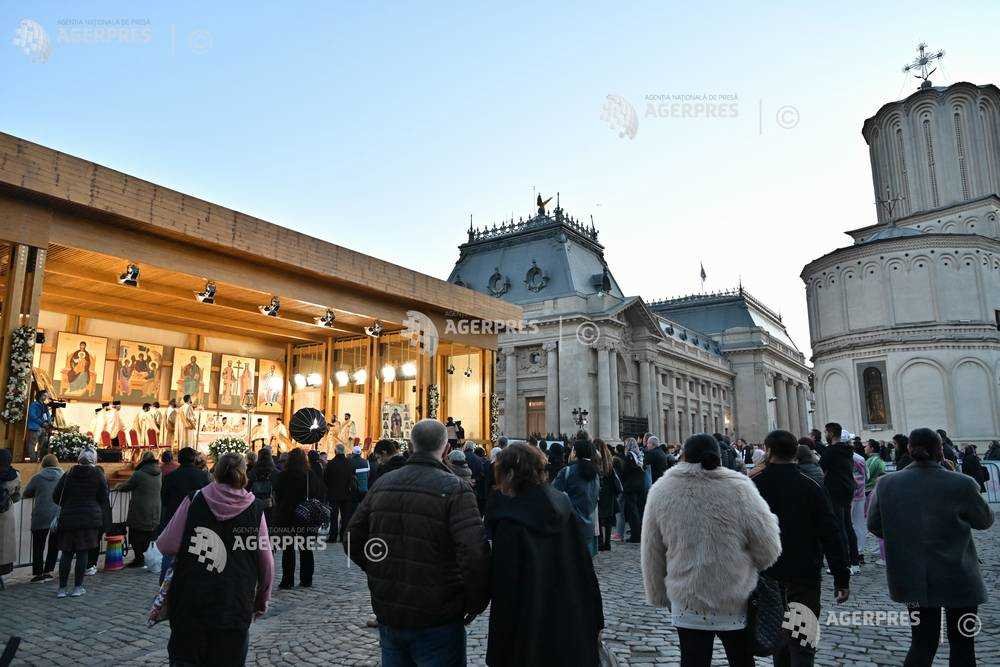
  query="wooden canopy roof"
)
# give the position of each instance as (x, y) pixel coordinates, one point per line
(93, 219)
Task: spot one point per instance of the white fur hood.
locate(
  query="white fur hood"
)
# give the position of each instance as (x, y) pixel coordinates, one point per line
(705, 536)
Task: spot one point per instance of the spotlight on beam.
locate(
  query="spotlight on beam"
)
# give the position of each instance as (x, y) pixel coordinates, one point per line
(130, 277)
(327, 320)
(360, 376)
(207, 295)
(374, 330)
(388, 373)
(342, 378)
(271, 309)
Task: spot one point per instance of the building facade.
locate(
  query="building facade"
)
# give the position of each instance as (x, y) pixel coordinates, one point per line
(586, 346)
(905, 323)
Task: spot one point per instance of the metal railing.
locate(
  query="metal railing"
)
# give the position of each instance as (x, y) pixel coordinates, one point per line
(120, 501)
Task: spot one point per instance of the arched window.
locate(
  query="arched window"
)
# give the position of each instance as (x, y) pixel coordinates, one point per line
(874, 395)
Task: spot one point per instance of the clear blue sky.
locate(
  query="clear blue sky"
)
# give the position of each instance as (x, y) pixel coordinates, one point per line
(382, 126)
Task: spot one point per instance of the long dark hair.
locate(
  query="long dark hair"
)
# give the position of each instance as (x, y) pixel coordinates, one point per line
(265, 463)
(901, 442)
(296, 460)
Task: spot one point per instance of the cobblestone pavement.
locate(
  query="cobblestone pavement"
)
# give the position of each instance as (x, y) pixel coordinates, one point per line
(326, 624)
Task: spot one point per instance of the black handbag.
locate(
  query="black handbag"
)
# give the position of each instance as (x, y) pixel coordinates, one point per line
(765, 614)
(311, 512)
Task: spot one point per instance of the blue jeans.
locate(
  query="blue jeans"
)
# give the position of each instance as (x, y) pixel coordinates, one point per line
(443, 646)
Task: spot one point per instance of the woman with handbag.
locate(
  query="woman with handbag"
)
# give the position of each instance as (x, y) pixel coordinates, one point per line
(82, 495)
(215, 592)
(294, 486)
(706, 533)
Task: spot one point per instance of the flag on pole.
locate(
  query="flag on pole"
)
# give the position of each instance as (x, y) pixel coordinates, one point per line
(703, 275)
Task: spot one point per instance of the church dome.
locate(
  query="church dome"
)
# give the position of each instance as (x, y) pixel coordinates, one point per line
(892, 232)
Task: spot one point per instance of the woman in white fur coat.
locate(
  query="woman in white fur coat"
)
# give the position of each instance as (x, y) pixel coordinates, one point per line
(706, 534)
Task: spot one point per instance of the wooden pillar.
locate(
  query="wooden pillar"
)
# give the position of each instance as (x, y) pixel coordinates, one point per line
(11, 320)
(328, 382)
(287, 411)
(371, 399)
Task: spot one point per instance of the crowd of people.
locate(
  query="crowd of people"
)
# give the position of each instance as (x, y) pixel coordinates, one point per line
(444, 530)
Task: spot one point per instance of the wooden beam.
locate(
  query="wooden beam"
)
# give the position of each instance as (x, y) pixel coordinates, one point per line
(79, 307)
(185, 296)
(158, 311)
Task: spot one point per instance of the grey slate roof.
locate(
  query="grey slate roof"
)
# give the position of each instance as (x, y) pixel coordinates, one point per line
(557, 254)
(717, 313)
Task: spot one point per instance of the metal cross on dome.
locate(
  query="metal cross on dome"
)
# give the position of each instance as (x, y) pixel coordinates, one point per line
(923, 63)
(889, 203)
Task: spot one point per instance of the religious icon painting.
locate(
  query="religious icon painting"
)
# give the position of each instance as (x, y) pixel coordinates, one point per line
(270, 386)
(236, 378)
(79, 366)
(140, 368)
(191, 375)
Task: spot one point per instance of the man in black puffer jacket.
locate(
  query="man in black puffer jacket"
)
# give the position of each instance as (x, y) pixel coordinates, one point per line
(181, 483)
(837, 463)
(419, 538)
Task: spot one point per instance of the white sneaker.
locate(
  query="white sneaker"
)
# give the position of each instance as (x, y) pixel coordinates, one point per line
(90, 571)
(855, 569)
(62, 593)
(78, 592)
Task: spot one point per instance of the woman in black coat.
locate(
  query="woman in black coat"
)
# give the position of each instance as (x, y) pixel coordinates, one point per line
(973, 467)
(634, 484)
(607, 500)
(546, 605)
(292, 485)
(82, 495)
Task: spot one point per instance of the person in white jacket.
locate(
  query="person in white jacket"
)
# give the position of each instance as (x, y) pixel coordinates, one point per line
(706, 533)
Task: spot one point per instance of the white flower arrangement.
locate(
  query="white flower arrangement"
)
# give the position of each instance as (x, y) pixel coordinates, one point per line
(228, 445)
(433, 401)
(68, 444)
(19, 380)
(494, 418)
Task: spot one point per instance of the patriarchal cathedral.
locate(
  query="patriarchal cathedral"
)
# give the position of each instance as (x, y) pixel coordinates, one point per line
(711, 362)
(905, 321)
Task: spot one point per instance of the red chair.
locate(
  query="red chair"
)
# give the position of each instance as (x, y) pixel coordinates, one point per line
(133, 438)
(151, 438)
(105, 439)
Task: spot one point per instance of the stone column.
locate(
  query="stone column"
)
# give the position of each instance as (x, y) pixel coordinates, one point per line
(800, 391)
(552, 406)
(656, 423)
(793, 410)
(615, 400)
(603, 393)
(510, 395)
(645, 399)
(781, 402)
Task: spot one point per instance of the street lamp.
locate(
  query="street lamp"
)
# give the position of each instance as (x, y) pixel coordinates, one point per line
(580, 417)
